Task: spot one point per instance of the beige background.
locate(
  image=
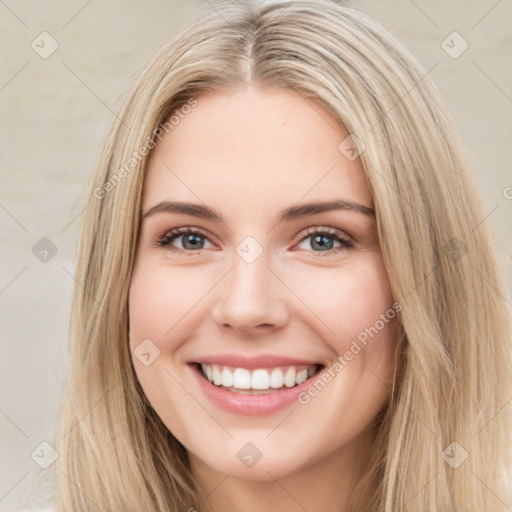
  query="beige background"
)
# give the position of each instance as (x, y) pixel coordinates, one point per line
(55, 113)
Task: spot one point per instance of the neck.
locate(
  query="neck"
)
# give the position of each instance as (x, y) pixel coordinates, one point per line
(326, 485)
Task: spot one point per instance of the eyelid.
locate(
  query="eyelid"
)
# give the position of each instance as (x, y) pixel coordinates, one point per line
(325, 229)
(176, 233)
(346, 240)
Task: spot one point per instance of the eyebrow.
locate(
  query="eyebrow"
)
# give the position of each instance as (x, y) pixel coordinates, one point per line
(288, 214)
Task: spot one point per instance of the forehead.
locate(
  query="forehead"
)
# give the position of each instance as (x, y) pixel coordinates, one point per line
(254, 147)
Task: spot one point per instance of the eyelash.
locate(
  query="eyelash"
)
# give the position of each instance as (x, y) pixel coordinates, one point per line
(170, 236)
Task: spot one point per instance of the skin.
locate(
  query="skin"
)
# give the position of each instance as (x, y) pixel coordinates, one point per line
(250, 153)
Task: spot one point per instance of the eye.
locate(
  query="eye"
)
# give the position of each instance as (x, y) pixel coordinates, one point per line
(190, 239)
(323, 240)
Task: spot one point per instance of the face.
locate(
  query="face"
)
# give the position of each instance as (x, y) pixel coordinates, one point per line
(286, 308)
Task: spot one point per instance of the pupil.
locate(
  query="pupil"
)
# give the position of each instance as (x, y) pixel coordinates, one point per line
(320, 239)
(193, 240)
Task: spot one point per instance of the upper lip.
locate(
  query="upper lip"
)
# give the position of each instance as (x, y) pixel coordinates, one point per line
(260, 361)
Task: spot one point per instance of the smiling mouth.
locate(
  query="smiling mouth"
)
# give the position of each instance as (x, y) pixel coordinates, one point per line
(258, 381)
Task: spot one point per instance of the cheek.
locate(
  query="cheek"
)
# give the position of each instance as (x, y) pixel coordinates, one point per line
(161, 298)
(343, 302)
(347, 300)
(329, 306)
(353, 307)
(356, 303)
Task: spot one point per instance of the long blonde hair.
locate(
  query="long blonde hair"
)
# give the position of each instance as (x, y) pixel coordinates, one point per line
(455, 372)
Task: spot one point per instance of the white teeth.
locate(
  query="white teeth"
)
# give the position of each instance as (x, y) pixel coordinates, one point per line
(302, 375)
(217, 376)
(227, 377)
(276, 378)
(241, 379)
(258, 380)
(207, 369)
(289, 378)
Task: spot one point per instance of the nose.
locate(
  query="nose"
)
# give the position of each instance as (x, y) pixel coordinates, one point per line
(251, 299)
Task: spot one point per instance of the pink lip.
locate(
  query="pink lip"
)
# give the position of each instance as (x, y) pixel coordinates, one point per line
(250, 405)
(252, 363)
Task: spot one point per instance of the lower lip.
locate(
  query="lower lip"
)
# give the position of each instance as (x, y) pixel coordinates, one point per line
(249, 405)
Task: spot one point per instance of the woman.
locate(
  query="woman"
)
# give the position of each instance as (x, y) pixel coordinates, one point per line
(287, 297)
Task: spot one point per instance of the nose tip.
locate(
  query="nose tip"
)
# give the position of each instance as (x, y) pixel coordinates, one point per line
(250, 300)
